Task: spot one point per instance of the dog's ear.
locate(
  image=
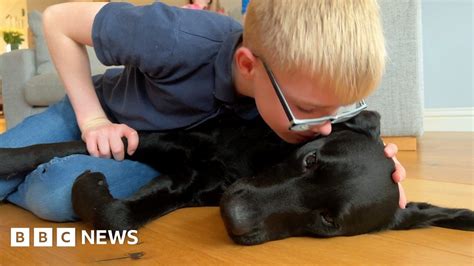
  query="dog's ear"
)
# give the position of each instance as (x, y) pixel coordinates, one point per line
(417, 215)
(367, 122)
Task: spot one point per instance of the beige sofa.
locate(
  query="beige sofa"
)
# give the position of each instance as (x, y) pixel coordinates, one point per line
(29, 80)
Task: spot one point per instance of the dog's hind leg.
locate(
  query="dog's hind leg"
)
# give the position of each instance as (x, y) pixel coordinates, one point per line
(26, 159)
(94, 204)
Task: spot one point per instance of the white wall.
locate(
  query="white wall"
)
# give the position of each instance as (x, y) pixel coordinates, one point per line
(447, 55)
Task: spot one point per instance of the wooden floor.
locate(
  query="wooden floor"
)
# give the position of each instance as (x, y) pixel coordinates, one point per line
(440, 172)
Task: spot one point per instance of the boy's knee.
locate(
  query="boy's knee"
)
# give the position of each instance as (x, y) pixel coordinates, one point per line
(49, 189)
(50, 204)
(53, 210)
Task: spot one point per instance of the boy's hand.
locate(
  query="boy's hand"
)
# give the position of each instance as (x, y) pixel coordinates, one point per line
(102, 138)
(399, 174)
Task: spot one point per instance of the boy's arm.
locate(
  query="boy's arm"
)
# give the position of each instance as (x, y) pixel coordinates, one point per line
(68, 28)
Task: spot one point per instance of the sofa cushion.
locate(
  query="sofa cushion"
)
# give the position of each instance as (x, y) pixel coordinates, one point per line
(46, 89)
(43, 60)
(43, 90)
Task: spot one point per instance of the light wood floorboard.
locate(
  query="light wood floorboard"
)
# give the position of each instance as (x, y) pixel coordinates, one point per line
(440, 172)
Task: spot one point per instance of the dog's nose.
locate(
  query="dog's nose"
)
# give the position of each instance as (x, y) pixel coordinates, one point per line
(238, 213)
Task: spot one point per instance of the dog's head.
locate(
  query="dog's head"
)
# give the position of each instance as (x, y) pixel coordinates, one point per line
(335, 185)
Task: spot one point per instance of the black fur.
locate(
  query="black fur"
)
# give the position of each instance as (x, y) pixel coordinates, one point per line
(267, 189)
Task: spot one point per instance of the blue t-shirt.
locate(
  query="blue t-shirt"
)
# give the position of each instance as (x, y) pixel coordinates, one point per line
(177, 65)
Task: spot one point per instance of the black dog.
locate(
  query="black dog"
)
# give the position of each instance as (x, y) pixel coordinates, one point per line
(267, 189)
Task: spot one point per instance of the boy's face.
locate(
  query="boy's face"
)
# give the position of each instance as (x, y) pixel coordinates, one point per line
(307, 98)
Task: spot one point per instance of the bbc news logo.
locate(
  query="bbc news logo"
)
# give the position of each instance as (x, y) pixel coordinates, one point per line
(66, 237)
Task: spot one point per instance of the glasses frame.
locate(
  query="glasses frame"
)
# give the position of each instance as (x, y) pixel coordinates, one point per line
(304, 124)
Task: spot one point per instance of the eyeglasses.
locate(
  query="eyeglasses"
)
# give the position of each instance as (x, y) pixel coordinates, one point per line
(305, 124)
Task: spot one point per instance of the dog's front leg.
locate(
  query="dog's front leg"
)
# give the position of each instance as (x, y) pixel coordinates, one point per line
(94, 204)
(26, 159)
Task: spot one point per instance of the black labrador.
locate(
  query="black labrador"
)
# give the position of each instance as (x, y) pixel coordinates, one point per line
(267, 189)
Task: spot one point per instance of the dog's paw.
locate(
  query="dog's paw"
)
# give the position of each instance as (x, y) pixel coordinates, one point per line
(90, 195)
(93, 202)
(91, 186)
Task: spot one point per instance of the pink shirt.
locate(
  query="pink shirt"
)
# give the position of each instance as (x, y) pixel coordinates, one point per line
(193, 6)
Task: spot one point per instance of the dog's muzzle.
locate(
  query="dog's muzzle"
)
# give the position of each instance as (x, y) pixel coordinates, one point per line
(239, 216)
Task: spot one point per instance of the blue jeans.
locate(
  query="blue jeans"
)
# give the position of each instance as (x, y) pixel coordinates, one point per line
(46, 191)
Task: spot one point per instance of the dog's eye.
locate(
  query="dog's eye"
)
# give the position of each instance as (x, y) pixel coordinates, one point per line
(310, 160)
(327, 219)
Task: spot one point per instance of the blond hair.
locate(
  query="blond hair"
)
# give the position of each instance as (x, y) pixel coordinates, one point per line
(339, 40)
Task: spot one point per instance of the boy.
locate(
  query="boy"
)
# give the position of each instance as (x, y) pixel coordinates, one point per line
(182, 67)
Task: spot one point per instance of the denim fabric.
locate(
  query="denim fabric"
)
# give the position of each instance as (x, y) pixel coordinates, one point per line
(46, 191)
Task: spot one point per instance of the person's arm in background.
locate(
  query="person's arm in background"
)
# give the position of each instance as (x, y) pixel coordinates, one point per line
(68, 28)
(245, 3)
